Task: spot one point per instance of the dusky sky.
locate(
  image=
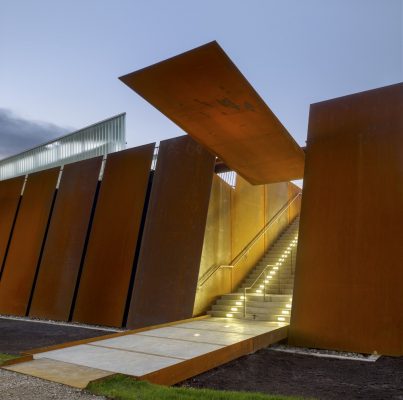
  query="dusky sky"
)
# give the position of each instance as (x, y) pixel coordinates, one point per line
(60, 60)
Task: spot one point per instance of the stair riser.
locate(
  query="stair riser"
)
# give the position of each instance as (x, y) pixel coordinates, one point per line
(285, 292)
(252, 297)
(262, 304)
(253, 310)
(222, 314)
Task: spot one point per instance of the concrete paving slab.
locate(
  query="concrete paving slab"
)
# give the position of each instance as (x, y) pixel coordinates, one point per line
(61, 372)
(160, 346)
(119, 361)
(201, 336)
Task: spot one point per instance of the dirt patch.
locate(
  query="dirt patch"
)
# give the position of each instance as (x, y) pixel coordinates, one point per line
(17, 336)
(276, 372)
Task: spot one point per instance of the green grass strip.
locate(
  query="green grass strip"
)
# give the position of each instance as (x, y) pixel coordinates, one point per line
(6, 357)
(122, 387)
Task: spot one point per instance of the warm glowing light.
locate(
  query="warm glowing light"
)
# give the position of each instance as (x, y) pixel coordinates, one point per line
(227, 326)
(266, 281)
(280, 319)
(258, 291)
(285, 312)
(228, 315)
(234, 309)
(261, 286)
(238, 303)
(270, 277)
(288, 305)
(272, 272)
(242, 297)
(196, 334)
(276, 268)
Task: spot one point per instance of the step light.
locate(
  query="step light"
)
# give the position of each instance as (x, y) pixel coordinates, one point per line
(238, 303)
(281, 319)
(229, 315)
(234, 309)
(288, 305)
(196, 334)
(285, 312)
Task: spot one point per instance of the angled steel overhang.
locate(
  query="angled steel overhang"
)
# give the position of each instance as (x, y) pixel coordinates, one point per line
(205, 94)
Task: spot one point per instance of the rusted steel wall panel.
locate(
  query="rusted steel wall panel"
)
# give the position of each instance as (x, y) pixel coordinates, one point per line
(65, 241)
(204, 93)
(26, 244)
(10, 193)
(105, 279)
(349, 275)
(168, 267)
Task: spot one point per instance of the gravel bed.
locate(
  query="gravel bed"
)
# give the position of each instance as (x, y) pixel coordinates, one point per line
(343, 355)
(71, 324)
(14, 386)
(21, 334)
(278, 372)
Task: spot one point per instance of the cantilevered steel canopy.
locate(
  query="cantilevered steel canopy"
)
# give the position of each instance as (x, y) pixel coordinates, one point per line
(204, 93)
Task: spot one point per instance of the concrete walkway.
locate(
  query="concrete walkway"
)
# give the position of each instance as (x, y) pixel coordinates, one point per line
(164, 355)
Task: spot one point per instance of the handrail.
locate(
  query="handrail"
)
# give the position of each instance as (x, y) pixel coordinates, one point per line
(247, 248)
(213, 269)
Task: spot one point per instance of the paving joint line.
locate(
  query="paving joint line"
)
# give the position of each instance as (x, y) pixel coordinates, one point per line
(136, 351)
(192, 341)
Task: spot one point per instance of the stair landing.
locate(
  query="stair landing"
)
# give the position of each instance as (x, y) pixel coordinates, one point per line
(164, 355)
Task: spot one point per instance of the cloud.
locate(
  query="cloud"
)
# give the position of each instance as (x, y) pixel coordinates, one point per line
(18, 134)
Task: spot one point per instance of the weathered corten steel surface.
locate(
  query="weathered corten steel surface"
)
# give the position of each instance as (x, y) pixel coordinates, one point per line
(166, 277)
(10, 191)
(349, 273)
(204, 93)
(109, 259)
(64, 246)
(25, 247)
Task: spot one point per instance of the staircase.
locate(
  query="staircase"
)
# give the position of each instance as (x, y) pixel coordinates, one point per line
(266, 293)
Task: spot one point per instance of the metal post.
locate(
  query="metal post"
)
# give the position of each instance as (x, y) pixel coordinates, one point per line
(292, 264)
(244, 303)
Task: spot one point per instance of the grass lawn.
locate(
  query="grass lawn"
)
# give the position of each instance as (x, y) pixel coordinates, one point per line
(123, 387)
(6, 357)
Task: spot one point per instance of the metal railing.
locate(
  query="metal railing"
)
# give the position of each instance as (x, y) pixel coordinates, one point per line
(268, 278)
(245, 251)
(228, 177)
